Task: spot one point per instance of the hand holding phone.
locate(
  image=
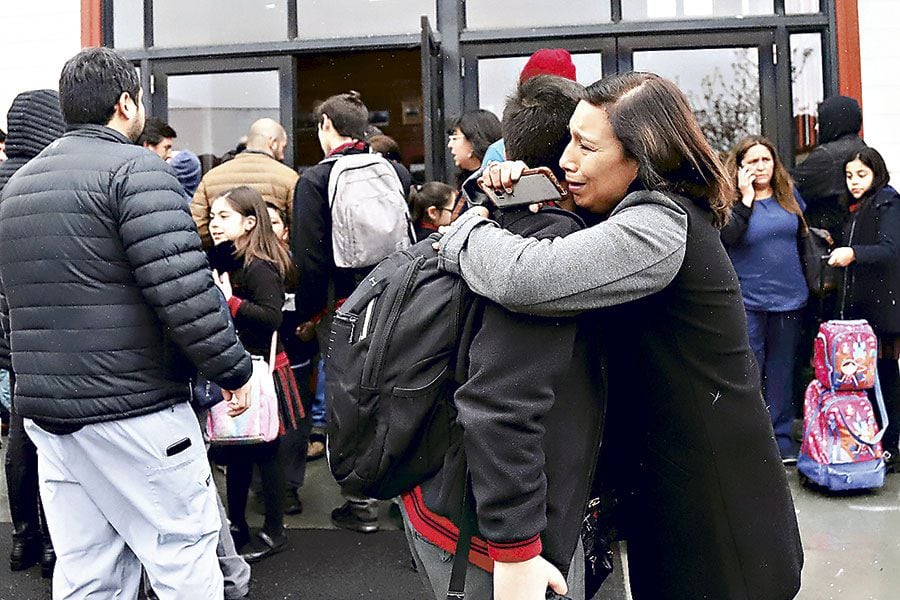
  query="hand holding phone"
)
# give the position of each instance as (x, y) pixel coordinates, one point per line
(535, 186)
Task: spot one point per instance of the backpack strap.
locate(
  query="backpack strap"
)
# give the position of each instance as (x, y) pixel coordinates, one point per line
(457, 589)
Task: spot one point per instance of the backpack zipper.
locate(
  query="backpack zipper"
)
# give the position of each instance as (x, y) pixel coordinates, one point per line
(397, 305)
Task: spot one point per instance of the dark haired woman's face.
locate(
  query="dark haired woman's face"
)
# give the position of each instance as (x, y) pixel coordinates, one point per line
(462, 150)
(859, 178)
(597, 170)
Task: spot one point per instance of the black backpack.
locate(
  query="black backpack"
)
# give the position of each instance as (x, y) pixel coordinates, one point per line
(391, 373)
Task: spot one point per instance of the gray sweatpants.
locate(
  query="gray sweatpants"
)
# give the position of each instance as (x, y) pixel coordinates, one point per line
(124, 493)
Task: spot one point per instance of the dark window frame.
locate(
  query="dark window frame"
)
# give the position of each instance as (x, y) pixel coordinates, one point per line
(458, 45)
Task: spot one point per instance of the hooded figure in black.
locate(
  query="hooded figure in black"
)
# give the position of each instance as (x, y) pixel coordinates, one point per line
(820, 178)
(34, 120)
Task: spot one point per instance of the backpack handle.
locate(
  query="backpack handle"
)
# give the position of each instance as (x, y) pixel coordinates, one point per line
(882, 410)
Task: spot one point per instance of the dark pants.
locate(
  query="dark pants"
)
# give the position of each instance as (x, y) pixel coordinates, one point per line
(240, 461)
(293, 443)
(22, 480)
(773, 338)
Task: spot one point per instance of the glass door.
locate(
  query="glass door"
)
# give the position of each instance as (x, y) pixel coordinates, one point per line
(729, 80)
(212, 103)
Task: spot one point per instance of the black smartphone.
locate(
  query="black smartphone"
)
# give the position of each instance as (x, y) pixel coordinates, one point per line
(534, 187)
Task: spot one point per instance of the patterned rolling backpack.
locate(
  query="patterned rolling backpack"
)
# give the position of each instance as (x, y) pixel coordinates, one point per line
(841, 447)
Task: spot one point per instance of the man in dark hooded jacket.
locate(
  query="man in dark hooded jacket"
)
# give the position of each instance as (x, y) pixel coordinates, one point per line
(34, 120)
(820, 178)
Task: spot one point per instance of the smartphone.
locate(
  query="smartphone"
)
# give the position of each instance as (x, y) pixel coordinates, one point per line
(535, 186)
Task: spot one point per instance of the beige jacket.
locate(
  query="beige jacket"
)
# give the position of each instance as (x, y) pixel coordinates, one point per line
(271, 178)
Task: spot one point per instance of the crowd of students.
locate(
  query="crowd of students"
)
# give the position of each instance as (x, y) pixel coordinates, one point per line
(665, 292)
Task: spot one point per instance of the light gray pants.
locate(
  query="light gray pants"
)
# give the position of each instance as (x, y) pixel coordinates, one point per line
(114, 501)
(435, 565)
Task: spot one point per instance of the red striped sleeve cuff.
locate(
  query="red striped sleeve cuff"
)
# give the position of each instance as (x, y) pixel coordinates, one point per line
(233, 304)
(515, 551)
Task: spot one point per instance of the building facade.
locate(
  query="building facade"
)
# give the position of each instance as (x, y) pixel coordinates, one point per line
(210, 67)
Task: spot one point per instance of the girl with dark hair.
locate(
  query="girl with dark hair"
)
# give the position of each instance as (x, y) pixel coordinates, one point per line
(430, 207)
(250, 266)
(686, 427)
(469, 137)
(871, 287)
(762, 240)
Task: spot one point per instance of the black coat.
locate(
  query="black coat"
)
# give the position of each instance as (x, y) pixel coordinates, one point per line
(872, 283)
(820, 178)
(109, 296)
(34, 120)
(686, 424)
(531, 414)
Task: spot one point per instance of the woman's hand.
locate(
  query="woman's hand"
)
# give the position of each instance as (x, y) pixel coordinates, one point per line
(503, 175)
(223, 282)
(527, 580)
(841, 257)
(745, 179)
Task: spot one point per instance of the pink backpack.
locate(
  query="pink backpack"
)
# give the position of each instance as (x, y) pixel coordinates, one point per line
(845, 355)
(841, 447)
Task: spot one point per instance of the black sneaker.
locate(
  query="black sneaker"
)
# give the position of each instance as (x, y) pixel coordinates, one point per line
(345, 518)
(789, 460)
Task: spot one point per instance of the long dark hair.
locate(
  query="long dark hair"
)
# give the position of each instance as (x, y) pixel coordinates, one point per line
(653, 120)
(782, 184)
(260, 242)
(880, 176)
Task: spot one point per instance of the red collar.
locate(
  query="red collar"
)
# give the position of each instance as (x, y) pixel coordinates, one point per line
(428, 225)
(354, 144)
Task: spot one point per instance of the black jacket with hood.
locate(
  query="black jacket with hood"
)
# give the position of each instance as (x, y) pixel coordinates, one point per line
(820, 178)
(34, 120)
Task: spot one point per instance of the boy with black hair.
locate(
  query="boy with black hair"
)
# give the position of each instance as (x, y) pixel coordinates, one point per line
(531, 413)
(341, 122)
(158, 137)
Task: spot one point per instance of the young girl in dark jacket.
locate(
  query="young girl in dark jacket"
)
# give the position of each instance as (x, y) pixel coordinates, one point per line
(250, 266)
(871, 288)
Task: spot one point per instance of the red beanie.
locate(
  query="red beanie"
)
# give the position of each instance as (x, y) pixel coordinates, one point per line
(549, 62)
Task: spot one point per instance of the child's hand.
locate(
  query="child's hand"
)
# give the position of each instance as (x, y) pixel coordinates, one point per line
(223, 282)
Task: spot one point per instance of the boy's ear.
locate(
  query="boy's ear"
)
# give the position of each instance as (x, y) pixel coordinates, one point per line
(434, 213)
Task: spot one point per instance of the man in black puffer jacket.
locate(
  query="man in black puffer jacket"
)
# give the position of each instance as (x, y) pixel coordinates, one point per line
(34, 121)
(110, 307)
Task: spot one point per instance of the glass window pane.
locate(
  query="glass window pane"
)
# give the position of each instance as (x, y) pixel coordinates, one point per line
(722, 85)
(497, 77)
(509, 14)
(792, 7)
(128, 23)
(212, 112)
(807, 88)
(328, 18)
(214, 22)
(638, 10)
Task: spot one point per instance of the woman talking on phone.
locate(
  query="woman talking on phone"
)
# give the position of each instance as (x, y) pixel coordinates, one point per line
(762, 239)
(712, 512)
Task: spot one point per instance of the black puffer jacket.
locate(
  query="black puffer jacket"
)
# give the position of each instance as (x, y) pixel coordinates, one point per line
(108, 294)
(34, 120)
